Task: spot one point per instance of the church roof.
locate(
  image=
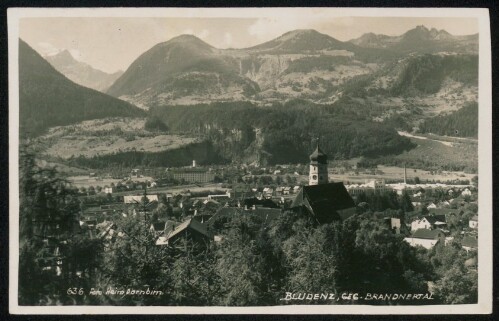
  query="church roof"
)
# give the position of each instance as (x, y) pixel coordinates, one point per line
(318, 156)
(324, 200)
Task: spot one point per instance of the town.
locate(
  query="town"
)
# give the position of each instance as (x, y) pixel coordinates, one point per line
(438, 210)
(190, 212)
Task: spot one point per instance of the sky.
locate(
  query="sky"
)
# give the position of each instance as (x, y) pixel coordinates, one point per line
(113, 43)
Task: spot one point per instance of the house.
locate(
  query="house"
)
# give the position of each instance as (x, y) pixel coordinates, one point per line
(108, 190)
(279, 190)
(425, 238)
(224, 214)
(296, 189)
(469, 243)
(202, 217)
(268, 192)
(162, 227)
(443, 204)
(189, 235)
(286, 190)
(432, 205)
(466, 192)
(135, 173)
(325, 202)
(255, 202)
(418, 194)
(428, 222)
(473, 223)
(393, 223)
(220, 197)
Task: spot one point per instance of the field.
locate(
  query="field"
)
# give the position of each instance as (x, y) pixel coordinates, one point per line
(107, 136)
(436, 153)
(393, 173)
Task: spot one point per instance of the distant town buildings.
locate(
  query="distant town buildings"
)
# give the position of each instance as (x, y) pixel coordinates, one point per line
(370, 186)
(193, 175)
(127, 199)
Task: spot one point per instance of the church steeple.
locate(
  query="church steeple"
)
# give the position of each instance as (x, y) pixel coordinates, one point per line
(318, 167)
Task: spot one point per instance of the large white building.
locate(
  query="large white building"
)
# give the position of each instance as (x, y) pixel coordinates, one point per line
(128, 199)
(370, 186)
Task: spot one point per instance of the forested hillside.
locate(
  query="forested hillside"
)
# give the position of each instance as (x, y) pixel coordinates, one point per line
(47, 98)
(425, 74)
(461, 123)
(283, 133)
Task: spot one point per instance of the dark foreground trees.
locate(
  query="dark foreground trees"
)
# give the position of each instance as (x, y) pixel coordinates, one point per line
(54, 254)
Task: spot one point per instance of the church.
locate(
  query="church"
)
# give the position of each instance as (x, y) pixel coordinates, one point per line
(323, 200)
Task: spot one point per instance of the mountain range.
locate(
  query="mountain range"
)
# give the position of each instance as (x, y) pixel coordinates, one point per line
(47, 98)
(421, 40)
(356, 94)
(82, 73)
(301, 64)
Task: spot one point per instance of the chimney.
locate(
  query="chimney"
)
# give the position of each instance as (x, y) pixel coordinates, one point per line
(193, 163)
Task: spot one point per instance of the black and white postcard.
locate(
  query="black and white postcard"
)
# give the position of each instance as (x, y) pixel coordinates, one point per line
(250, 160)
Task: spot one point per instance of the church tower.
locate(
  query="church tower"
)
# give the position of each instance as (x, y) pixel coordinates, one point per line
(318, 167)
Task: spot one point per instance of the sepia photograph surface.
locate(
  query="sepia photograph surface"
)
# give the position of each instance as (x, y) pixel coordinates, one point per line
(277, 160)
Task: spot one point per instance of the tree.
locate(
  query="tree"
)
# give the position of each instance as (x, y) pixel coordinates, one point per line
(406, 203)
(458, 286)
(48, 205)
(133, 260)
(194, 279)
(314, 260)
(241, 264)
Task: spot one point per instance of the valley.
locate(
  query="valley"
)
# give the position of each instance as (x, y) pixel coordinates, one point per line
(376, 97)
(108, 136)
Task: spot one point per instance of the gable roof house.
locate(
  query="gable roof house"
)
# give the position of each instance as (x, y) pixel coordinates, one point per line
(265, 213)
(189, 235)
(469, 243)
(162, 227)
(325, 202)
(425, 238)
(429, 222)
(255, 202)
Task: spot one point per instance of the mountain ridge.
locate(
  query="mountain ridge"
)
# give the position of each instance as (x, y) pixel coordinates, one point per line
(82, 73)
(420, 39)
(47, 98)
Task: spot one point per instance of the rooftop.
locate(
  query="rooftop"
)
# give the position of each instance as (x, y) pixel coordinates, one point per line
(324, 200)
(423, 233)
(470, 241)
(318, 156)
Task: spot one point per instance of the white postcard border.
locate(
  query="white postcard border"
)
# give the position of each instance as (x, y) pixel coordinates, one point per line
(485, 240)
